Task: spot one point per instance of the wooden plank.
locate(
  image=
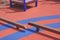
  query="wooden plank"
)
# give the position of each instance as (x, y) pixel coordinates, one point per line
(44, 27)
(18, 25)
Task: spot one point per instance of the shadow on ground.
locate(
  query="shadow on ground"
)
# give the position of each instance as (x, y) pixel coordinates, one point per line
(13, 27)
(16, 8)
(31, 31)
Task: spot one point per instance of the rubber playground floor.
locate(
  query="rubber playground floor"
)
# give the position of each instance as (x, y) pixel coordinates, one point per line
(47, 13)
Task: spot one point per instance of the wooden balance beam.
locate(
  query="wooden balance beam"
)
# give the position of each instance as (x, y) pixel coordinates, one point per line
(14, 23)
(44, 27)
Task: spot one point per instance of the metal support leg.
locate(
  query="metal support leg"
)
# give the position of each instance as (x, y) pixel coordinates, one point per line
(17, 27)
(24, 5)
(10, 3)
(36, 3)
(37, 29)
(44, 27)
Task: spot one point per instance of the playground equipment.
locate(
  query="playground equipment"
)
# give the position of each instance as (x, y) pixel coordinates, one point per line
(44, 27)
(33, 24)
(2, 3)
(23, 2)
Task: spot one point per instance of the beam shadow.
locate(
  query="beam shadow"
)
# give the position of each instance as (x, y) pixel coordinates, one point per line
(16, 8)
(30, 31)
(43, 34)
(11, 27)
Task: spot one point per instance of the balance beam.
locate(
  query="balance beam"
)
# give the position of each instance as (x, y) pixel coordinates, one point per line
(44, 27)
(14, 23)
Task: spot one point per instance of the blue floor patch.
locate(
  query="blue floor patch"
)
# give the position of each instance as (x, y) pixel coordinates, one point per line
(32, 20)
(18, 35)
(55, 25)
(39, 19)
(27, 32)
(5, 26)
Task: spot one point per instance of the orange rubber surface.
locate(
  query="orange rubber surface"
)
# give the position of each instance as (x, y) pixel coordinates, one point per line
(47, 13)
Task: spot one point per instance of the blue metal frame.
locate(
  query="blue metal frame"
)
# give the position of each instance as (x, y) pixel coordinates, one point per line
(10, 3)
(25, 6)
(36, 4)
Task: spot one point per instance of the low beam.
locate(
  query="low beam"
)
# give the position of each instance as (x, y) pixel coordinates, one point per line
(14, 23)
(44, 27)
